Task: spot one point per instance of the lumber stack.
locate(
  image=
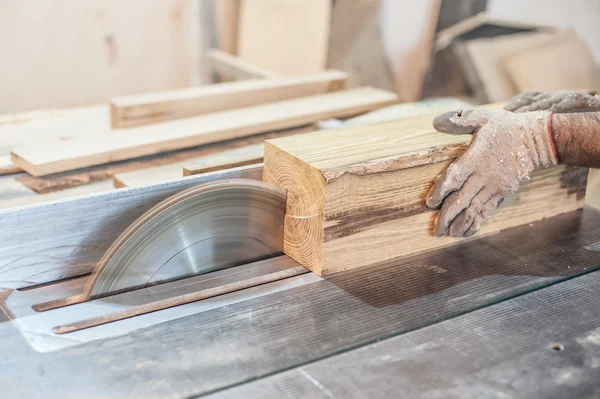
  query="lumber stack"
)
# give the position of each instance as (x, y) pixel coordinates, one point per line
(356, 195)
(39, 160)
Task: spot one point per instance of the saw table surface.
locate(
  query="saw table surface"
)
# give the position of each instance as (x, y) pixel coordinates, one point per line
(510, 315)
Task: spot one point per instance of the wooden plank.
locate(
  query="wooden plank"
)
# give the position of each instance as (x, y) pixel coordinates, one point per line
(410, 56)
(356, 195)
(48, 125)
(65, 238)
(223, 160)
(234, 67)
(7, 167)
(143, 177)
(228, 159)
(143, 109)
(532, 70)
(285, 36)
(98, 50)
(408, 110)
(487, 55)
(227, 22)
(56, 157)
(82, 177)
(355, 44)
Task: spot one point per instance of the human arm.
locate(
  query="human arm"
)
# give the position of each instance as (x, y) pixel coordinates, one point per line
(505, 149)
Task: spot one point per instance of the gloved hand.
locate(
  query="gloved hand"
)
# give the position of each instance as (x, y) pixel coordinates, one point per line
(505, 149)
(560, 102)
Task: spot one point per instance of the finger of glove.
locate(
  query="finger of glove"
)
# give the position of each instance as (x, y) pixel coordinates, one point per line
(476, 225)
(465, 219)
(452, 179)
(460, 122)
(493, 203)
(456, 203)
(521, 100)
(541, 105)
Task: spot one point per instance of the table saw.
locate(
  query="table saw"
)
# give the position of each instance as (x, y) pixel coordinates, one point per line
(508, 315)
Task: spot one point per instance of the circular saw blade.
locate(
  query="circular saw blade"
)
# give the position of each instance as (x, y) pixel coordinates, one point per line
(205, 228)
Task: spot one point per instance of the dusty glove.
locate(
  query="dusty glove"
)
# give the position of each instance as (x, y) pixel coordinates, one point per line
(560, 102)
(505, 149)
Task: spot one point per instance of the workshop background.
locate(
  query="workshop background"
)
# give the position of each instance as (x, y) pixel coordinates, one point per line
(69, 53)
(226, 198)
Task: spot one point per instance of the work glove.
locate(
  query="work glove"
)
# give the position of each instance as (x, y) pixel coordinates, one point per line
(560, 102)
(506, 147)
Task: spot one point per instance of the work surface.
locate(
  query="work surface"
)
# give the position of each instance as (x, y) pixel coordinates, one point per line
(486, 318)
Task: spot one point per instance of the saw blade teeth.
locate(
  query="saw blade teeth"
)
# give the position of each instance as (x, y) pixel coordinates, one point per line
(205, 228)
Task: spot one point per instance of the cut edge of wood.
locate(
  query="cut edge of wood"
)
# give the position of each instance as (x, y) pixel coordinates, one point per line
(304, 209)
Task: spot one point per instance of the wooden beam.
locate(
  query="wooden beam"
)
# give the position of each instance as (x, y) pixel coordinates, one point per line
(234, 67)
(55, 157)
(227, 159)
(286, 36)
(356, 195)
(71, 179)
(142, 109)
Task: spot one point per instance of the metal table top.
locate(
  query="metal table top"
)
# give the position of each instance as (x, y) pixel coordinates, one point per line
(427, 316)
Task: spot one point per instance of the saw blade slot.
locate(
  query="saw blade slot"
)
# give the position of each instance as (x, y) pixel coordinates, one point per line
(68, 326)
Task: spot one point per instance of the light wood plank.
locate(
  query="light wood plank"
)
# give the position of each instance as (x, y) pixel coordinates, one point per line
(408, 110)
(143, 109)
(563, 64)
(82, 177)
(356, 195)
(227, 159)
(96, 50)
(234, 67)
(227, 22)
(48, 125)
(7, 167)
(168, 136)
(355, 44)
(487, 55)
(285, 36)
(151, 175)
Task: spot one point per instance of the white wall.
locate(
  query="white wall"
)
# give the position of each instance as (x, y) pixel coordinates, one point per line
(581, 15)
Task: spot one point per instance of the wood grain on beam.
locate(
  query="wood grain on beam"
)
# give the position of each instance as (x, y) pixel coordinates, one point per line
(356, 195)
